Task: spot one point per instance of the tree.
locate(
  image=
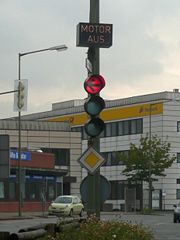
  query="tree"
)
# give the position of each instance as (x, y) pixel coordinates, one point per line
(147, 161)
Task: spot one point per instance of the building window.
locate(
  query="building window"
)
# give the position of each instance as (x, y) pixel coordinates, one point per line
(178, 157)
(117, 190)
(114, 129)
(178, 181)
(108, 130)
(114, 160)
(127, 127)
(51, 191)
(133, 126)
(111, 159)
(2, 193)
(107, 157)
(139, 126)
(81, 130)
(102, 134)
(177, 193)
(62, 156)
(178, 126)
(12, 190)
(84, 134)
(33, 190)
(120, 128)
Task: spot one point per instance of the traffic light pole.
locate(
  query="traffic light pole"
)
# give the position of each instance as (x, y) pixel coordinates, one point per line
(93, 204)
(19, 147)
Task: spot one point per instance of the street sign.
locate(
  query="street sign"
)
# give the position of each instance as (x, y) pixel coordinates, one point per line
(94, 35)
(94, 84)
(105, 189)
(91, 160)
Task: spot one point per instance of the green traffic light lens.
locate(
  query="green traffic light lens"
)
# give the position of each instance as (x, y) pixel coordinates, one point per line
(94, 105)
(94, 127)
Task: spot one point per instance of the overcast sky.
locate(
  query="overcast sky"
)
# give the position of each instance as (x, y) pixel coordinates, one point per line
(144, 58)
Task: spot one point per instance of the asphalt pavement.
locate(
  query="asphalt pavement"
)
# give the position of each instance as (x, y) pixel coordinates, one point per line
(160, 223)
(24, 215)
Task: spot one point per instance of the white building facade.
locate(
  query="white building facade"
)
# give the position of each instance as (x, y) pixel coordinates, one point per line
(126, 120)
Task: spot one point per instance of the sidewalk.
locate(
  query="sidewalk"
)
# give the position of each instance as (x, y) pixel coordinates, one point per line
(24, 215)
(31, 215)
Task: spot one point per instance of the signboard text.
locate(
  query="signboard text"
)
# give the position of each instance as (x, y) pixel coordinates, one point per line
(94, 35)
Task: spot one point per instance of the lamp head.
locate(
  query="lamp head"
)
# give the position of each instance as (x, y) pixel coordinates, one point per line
(59, 48)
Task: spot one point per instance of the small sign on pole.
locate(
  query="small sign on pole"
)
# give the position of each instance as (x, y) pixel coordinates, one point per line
(88, 65)
(91, 160)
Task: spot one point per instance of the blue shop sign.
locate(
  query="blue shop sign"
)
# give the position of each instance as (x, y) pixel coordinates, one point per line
(25, 156)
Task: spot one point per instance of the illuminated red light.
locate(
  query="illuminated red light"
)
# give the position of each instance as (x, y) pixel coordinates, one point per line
(94, 84)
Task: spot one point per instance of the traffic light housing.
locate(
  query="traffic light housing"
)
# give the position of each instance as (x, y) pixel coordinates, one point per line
(94, 105)
(94, 127)
(20, 94)
(94, 84)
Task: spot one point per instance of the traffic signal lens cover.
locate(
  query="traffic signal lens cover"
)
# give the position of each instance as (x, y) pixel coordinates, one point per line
(21, 95)
(94, 127)
(94, 105)
(94, 84)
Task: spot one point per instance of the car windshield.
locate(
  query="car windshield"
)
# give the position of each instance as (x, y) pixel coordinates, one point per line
(63, 200)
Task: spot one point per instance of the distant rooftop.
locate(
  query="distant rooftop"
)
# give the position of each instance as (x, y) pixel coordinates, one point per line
(77, 106)
(34, 125)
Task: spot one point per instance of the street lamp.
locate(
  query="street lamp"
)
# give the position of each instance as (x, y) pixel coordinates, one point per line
(57, 48)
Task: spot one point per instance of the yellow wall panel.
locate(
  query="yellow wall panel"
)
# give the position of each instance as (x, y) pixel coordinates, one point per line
(114, 114)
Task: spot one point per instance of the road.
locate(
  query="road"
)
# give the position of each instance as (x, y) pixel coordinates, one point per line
(13, 226)
(161, 224)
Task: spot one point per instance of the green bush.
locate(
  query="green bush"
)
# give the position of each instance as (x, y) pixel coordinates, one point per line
(94, 229)
(148, 211)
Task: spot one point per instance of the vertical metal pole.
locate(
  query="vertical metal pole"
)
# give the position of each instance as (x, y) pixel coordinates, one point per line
(150, 181)
(93, 204)
(19, 145)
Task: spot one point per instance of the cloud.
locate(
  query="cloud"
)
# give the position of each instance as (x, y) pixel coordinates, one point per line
(144, 57)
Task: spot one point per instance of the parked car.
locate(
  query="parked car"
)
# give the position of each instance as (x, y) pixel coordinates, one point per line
(176, 213)
(66, 205)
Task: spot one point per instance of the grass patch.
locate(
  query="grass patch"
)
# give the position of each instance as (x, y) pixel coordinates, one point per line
(148, 211)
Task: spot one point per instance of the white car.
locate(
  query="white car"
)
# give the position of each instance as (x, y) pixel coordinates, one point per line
(66, 205)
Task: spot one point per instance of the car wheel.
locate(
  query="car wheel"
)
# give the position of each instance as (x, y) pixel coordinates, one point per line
(81, 213)
(71, 213)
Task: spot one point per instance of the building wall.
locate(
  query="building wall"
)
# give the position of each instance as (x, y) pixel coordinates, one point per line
(27, 207)
(34, 140)
(161, 121)
(153, 123)
(75, 168)
(171, 115)
(160, 113)
(38, 160)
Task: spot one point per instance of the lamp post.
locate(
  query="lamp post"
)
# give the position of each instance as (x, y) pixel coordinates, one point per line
(57, 48)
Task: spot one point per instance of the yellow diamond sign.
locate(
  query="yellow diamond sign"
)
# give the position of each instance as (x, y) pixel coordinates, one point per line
(91, 160)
